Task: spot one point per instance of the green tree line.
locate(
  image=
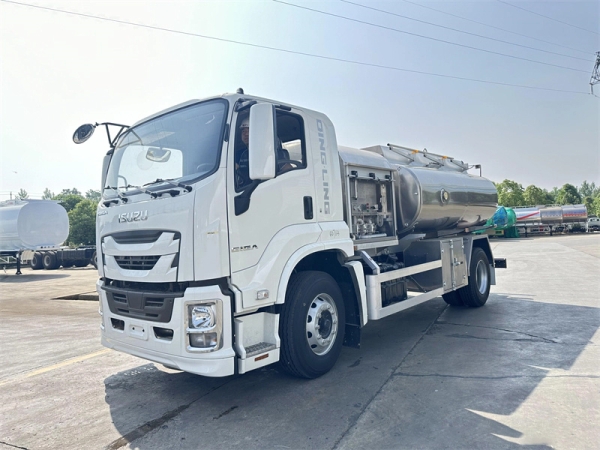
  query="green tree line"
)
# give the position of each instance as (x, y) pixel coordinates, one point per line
(511, 193)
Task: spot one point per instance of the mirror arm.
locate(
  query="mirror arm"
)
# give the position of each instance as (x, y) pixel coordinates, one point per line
(113, 141)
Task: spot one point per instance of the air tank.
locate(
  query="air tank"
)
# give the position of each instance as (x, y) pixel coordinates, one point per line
(32, 224)
(433, 200)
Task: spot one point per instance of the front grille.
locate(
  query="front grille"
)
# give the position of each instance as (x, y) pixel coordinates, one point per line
(141, 304)
(137, 262)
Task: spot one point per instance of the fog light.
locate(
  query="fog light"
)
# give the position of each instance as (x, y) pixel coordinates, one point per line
(203, 340)
(201, 316)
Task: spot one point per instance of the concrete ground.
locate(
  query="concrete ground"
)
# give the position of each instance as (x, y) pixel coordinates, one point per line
(523, 371)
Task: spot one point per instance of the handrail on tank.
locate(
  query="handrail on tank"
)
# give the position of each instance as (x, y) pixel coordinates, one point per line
(440, 160)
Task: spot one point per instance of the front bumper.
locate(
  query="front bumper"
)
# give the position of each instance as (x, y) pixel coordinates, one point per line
(142, 338)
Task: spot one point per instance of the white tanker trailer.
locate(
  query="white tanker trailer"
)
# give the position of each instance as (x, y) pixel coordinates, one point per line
(223, 249)
(34, 230)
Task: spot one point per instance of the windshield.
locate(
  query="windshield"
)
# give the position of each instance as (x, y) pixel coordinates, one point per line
(182, 145)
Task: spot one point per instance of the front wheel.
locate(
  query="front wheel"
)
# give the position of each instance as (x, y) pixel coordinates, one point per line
(476, 293)
(312, 325)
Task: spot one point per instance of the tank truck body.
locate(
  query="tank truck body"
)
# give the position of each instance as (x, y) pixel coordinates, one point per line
(210, 270)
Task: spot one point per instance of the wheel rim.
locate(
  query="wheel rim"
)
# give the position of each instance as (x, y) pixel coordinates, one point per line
(481, 275)
(321, 324)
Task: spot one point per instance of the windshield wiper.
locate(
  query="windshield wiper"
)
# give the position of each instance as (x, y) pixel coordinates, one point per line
(187, 187)
(119, 194)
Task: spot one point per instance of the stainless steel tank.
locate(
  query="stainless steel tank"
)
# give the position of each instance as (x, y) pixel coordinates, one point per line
(431, 200)
(574, 213)
(551, 215)
(527, 214)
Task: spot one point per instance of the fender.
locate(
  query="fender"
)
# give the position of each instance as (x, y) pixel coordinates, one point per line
(343, 245)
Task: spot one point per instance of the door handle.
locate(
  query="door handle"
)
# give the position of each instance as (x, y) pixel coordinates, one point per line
(308, 207)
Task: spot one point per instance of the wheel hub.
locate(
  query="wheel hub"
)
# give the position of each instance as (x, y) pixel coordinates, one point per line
(321, 324)
(481, 277)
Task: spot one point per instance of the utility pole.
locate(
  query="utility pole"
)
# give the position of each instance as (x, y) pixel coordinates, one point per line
(595, 73)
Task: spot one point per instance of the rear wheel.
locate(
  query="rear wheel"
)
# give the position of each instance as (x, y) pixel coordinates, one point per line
(37, 262)
(476, 293)
(312, 325)
(49, 261)
(94, 260)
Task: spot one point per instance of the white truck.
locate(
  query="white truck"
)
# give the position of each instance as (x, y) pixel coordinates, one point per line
(218, 259)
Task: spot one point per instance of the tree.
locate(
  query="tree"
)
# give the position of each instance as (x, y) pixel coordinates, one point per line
(550, 197)
(69, 201)
(568, 195)
(48, 194)
(93, 195)
(22, 194)
(595, 207)
(73, 191)
(510, 193)
(82, 223)
(589, 204)
(535, 196)
(553, 194)
(588, 189)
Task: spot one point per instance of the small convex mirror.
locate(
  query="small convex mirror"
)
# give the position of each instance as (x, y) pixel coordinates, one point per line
(158, 154)
(83, 133)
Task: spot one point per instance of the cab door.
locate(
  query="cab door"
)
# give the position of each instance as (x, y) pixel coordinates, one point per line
(279, 218)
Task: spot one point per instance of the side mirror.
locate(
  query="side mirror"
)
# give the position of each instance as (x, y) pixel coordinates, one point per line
(158, 154)
(261, 146)
(83, 133)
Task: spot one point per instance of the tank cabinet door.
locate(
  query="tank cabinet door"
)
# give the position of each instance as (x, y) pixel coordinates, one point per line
(454, 264)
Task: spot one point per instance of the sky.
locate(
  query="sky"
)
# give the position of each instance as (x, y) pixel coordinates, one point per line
(378, 75)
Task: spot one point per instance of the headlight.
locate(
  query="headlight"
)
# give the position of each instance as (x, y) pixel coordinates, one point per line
(204, 326)
(201, 316)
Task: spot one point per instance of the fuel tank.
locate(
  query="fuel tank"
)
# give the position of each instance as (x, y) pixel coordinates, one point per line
(574, 213)
(32, 224)
(431, 199)
(527, 214)
(551, 215)
(388, 196)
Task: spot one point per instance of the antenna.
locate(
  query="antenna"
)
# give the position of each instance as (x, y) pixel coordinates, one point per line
(595, 73)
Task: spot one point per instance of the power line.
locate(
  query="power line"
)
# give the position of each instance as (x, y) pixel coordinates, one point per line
(547, 17)
(495, 27)
(265, 47)
(461, 31)
(425, 37)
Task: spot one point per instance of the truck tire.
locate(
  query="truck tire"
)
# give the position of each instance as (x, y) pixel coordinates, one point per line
(94, 260)
(476, 293)
(49, 261)
(453, 298)
(37, 262)
(312, 325)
